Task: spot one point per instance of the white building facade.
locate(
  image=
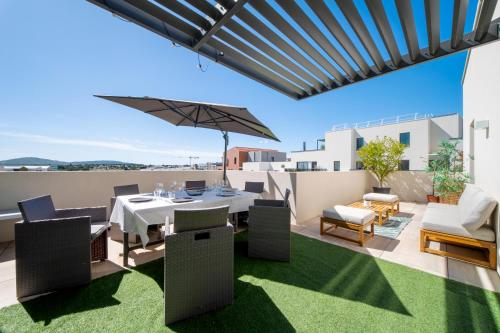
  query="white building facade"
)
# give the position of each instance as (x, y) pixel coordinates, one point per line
(481, 107)
(422, 135)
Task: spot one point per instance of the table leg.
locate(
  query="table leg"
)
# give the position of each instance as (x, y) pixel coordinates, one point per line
(380, 218)
(125, 249)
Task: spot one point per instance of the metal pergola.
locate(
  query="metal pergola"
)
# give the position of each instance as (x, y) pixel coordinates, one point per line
(256, 39)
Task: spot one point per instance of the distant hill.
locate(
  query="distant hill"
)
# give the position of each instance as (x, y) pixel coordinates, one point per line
(44, 161)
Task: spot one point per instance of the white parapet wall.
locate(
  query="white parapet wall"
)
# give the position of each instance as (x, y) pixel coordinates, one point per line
(311, 192)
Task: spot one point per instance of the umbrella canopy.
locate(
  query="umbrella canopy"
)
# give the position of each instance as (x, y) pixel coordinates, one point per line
(224, 118)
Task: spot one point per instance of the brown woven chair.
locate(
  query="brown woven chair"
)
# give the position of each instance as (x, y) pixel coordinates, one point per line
(195, 184)
(54, 247)
(115, 233)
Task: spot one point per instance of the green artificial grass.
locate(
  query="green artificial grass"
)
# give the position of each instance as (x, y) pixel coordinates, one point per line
(324, 289)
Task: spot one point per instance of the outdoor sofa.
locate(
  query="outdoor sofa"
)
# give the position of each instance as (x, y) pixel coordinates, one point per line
(54, 247)
(465, 224)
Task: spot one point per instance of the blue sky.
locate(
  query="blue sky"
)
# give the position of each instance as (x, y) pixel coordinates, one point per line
(56, 54)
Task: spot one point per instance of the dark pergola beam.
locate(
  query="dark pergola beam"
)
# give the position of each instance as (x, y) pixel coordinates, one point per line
(384, 28)
(457, 30)
(405, 13)
(356, 21)
(220, 23)
(201, 21)
(486, 10)
(432, 23)
(296, 13)
(288, 30)
(157, 20)
(275, 39)
(331, 23)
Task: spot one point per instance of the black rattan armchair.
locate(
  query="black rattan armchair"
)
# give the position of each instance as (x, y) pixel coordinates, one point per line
(54, 247)
(269, 229)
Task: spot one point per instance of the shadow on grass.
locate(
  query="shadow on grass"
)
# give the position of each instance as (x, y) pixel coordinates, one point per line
(98, 294)
(468, 309)
(252, 311)
(314, 266)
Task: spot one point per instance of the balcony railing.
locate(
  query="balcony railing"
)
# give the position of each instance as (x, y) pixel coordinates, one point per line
(382, 121)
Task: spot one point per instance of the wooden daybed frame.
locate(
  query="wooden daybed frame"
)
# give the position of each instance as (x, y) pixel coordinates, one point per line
(489, 248)
(359, 228)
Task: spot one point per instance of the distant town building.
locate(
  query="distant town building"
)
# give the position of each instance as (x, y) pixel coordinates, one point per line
(236, 156)
(25, 168)
(422, 135)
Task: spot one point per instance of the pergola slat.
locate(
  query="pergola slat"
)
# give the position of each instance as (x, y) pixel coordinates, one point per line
(405, 13)
(384, 28)
(237, 6)
(334, 27)
(352, 15)
(457, 30)
(157, 20)
(313, 31)
(258, 43)
(306, 62)
(200, 21)
(432, 22)
(233, 41)
(244, 33)
(274, 38)
(286, 28)
(486, 10)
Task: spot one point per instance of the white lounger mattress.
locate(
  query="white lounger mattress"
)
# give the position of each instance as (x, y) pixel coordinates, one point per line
(446, 219)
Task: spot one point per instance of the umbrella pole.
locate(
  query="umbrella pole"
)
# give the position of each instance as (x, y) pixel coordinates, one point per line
(226, 141)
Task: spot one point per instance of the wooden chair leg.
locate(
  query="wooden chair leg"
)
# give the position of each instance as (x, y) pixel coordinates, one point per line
(372, 229)
(492, 258)
(321, 231)
(362, 235)
(423, 241)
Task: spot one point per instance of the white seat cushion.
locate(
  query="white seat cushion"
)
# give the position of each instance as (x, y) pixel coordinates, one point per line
(380, 197)
(349, 214)
(446, 218)
(475, 207)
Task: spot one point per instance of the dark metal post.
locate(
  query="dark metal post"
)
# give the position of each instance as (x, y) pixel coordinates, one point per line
(226, 141)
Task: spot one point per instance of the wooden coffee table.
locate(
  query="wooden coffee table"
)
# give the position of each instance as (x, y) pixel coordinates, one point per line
(379, 208)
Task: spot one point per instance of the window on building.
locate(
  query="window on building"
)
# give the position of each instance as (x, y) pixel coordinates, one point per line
(272, 158)
(302, 165)
(235, 160)
(359, 165)
(314, 165)
(404, 165)
(336, 165)
(404, 138)
(360, 142)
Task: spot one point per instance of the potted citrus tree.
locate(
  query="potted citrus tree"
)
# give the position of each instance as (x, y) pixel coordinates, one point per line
(382, 157)
(449, 177)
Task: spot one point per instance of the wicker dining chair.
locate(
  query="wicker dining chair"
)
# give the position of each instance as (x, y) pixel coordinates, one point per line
(199, 256)
(254, 187)
(195, 184)
(115, 233)
(54, 247)
(269, 229)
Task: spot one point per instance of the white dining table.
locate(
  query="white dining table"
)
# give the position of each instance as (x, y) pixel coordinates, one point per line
(134, 217)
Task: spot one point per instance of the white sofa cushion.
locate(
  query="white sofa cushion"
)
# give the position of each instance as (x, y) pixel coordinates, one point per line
(475, 207)
(349, 214)
(446, 218)
(380, 197)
